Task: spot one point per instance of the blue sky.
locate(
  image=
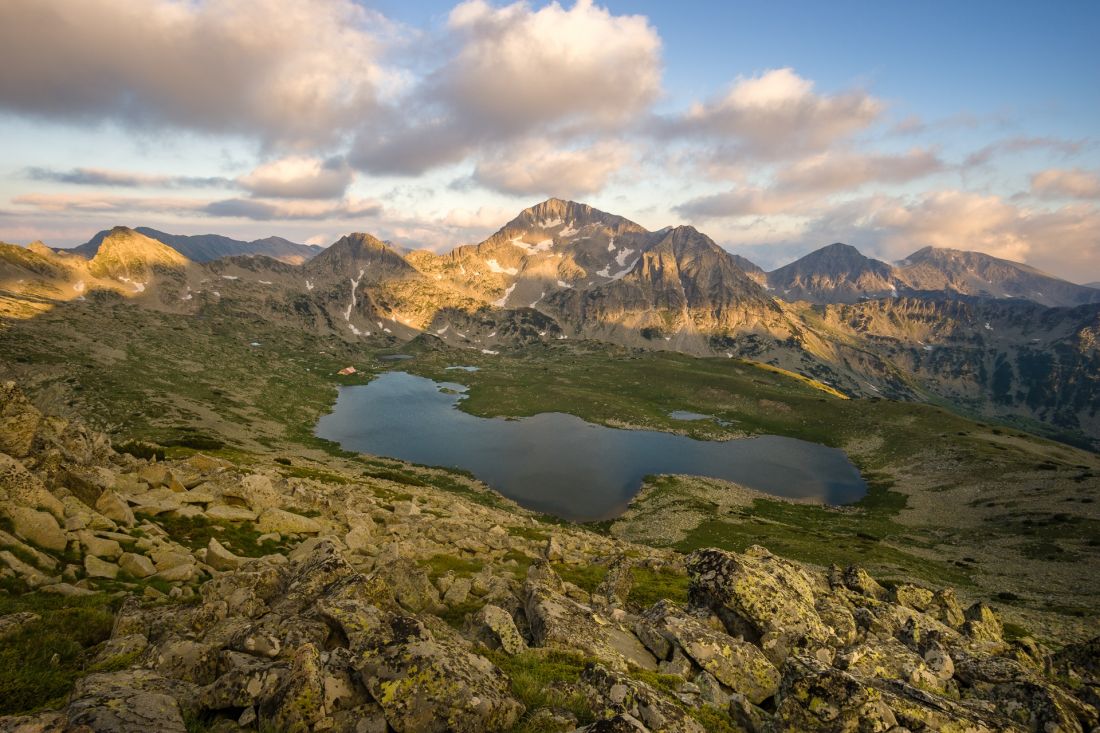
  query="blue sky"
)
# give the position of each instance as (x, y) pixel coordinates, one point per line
(775, 128)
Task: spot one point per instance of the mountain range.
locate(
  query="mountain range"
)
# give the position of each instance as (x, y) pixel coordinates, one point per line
(983, 335)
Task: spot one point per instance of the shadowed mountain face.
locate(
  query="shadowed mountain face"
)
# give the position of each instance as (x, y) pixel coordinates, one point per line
(942, 325)
(209, 247)
(974, 273)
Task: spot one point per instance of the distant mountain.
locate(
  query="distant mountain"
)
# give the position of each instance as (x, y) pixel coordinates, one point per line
(974, 273)
(838, 273)
(209, 247)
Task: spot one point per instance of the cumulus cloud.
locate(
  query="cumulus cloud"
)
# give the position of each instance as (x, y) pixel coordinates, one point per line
(299, 72)
(1066, 184)
(828, 172)
(541, 168)
(803, 187)
(122, 179)
(519, 73)
(775, 115)
(299, 178)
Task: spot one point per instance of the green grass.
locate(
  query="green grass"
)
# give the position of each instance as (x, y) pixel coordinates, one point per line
(70, 628)
(533, 674)
(587, 577)
(651, 586)
(242, 538)
(440, 565)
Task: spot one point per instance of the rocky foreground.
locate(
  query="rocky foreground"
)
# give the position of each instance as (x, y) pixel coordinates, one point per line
(339, 602)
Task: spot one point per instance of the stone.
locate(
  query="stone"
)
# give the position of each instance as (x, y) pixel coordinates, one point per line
(226, 513)
(359, 538)
(38, 528)
(410, 585)
(99, 546)
(760, 597)
(20, 487)
(982, 624)
(735, 663)
(114, 508)
(131, 701)
(176, 574)
(96, 568)
(220, 558)
(559, 621)
(255, 490)
(137, 566)
(432, 684)
(284, 522)
(496, 629)
(637, 703)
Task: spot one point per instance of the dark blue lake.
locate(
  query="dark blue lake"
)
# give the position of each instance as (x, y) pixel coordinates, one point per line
(562, 465)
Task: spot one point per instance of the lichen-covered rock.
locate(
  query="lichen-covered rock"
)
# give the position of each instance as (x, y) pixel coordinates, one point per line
(982, 624)
(735, 663)
(132, 701)
(13, 623)
(621, 695)
(496, 629)
(618, 580)
(96, 568)
(559, 621)
(410, 585)
(814, 696)
(220, 558)
(255, 490)
(136, 565)
(431, 684)
(758, 596)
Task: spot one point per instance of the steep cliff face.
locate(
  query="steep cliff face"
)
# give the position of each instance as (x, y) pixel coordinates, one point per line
(682, 286)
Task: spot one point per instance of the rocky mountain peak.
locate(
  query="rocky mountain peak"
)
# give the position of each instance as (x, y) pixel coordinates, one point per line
(125, 253)
(356, 254)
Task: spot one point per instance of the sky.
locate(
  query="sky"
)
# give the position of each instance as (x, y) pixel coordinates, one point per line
(775, 128)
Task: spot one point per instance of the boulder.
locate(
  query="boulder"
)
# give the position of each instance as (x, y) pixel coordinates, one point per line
(131, 701)
(637, 704)
(96, 568)
(13, 623)
(113, 507)
(431, 684)
(137, 566)
(220, 558)
(99, 546)
(558, 621)
(982, 624)
(763, 598)
(256, 491)
(735, 663)
(284, 522)
(20, 487)
(496, 629)
(38, 528)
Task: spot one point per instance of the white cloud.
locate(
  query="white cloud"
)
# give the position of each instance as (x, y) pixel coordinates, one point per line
(519, 74)
(827, 172)
(297, 72)
(1066, 184)
(299, 177)
(542, 168)
(776, 115)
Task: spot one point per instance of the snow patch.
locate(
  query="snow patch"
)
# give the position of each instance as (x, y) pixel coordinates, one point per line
(489, 351)
(443, 330)
(621, 257)
(550, 223)
(494, 333)
(79, 286)
(351, 306)
(504, 298)
(265, 282)
(567, 232)
(139, 287)
(563, 284)
(988, 327)
(538, 299)
(309, 285)
(494, 266)
(532, 248)
(230, 277)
